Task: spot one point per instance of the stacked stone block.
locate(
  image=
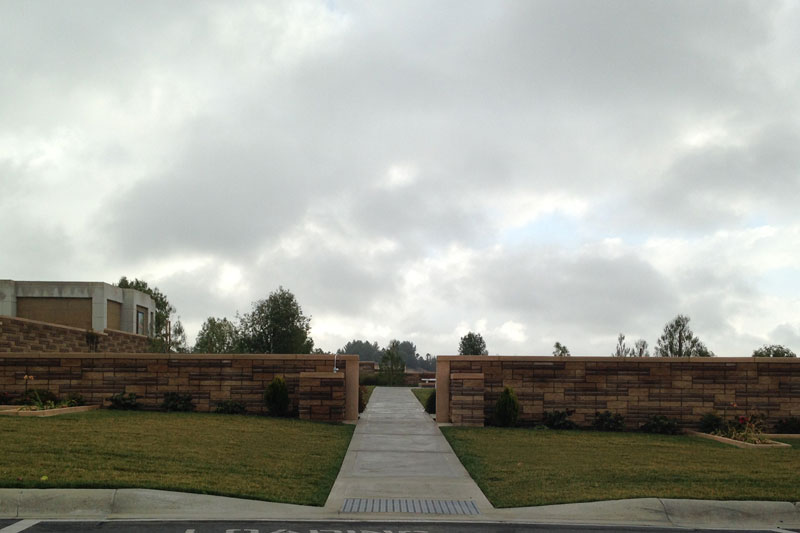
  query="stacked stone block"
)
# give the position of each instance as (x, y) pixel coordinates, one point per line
(20, 335)
(636, 388)
(210, 379)
(467, 399)
(322, 396)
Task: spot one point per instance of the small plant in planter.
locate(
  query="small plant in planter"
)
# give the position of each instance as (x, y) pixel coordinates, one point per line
(37, 397)
(608, 421)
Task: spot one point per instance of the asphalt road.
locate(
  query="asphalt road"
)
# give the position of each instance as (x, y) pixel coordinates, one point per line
(8, 526)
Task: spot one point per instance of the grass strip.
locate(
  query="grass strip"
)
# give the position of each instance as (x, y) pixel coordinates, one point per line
(279, 460)
(368, 389)
(422, 395)
(522, 467)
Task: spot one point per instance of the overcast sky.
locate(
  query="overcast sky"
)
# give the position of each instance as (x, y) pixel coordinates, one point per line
(533, 171)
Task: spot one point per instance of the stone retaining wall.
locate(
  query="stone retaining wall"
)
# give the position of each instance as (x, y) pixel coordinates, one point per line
(636, 388)
(322, 396)
(20, 335)
(208, 378)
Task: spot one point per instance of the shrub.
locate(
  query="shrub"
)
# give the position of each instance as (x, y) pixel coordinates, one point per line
(276, 397)
(175, 401)
(559, 419)
(506, 409)
(75, 399)
(711, 422)
(33, 396)
(608, 421)
(661, 424)
(124, 402)
(5, 398)
(362, 398)
(788, 425)
(371, 379)
(230, 407)
(430, 403)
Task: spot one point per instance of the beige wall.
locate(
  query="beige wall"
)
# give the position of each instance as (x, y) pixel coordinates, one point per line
(74, 312)
(114, 314)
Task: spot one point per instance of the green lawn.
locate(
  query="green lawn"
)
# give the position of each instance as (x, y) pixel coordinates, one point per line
(422, 395)
(281, 460)
(520, 467)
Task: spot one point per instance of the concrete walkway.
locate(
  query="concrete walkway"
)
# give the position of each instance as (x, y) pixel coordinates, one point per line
(397, 451)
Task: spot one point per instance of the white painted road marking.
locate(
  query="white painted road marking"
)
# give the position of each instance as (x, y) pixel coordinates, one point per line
(22, 525)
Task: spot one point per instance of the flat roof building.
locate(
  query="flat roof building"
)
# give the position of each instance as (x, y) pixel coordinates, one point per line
(87, 305)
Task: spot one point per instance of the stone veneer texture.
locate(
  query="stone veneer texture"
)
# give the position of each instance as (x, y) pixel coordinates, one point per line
(684, 389)
(20, 335)
(208, 378)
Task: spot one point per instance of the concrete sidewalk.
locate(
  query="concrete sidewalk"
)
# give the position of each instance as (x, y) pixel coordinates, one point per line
(397, 451)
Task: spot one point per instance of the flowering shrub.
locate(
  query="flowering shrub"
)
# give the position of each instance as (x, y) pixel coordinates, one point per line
(745, 429)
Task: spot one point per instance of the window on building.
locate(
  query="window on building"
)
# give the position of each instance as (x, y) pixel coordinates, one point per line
(140, 323)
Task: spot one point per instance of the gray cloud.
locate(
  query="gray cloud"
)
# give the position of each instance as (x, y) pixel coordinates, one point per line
(409, 168)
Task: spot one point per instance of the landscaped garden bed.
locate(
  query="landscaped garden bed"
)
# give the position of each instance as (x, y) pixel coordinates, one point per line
(519, 467)
(272, 459)
(32, 410)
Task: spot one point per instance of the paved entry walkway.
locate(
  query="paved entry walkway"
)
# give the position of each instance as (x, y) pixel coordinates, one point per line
(398, 452)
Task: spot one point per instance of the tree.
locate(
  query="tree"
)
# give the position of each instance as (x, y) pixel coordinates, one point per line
(365, 350)
(559, 350)
(622, 349)
(773, 350)
(163, 308)
(217, 335)
(640, 349)
(679, 341)
(177, 338)
(428, 363)
(408, 351)
(276, 325)
(392, 365)
(167, 337)
(472, 344)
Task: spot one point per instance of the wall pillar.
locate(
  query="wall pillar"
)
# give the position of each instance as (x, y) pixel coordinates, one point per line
(351, 373)
(442, 391)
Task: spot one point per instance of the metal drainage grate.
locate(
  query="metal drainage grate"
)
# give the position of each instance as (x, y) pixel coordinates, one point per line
(403, 505)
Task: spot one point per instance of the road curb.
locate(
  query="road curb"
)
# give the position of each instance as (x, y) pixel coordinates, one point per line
(118, 504)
